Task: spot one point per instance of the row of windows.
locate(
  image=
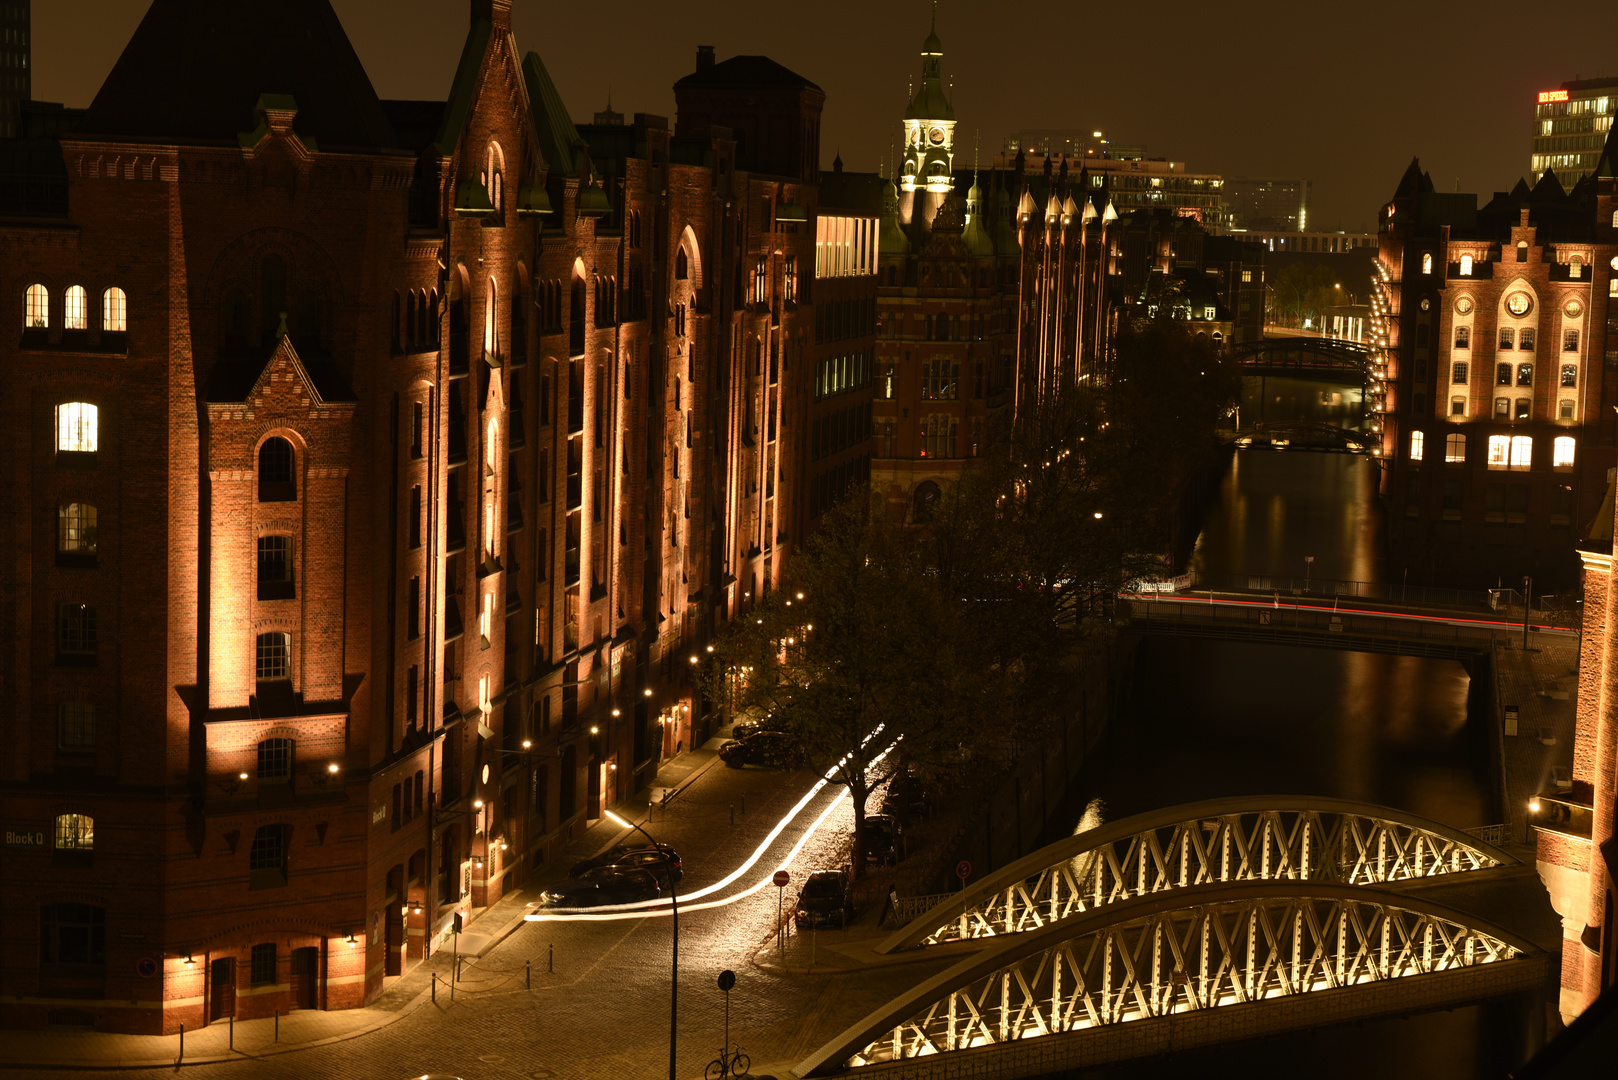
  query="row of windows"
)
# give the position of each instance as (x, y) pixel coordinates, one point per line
(1460, 370)
(840, 373)
(1504, 451)
(1510, 338)
(75, 309)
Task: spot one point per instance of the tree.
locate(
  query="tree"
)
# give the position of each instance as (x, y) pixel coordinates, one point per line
(1302, 291)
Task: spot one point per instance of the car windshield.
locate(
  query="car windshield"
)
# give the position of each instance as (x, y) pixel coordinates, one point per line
(822, 887)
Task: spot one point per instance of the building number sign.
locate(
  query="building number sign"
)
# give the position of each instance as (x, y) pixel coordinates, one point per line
(25, 838)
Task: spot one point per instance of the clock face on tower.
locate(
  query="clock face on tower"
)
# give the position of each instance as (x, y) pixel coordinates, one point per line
(936, 135)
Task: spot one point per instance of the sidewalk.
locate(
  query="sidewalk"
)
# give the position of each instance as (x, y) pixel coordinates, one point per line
(1543, 684)
(223, 1041)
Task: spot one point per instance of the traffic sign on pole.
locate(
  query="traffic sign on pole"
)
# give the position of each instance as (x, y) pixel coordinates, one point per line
(963, 869)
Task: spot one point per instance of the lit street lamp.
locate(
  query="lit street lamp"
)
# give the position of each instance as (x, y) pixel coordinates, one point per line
(674, 904)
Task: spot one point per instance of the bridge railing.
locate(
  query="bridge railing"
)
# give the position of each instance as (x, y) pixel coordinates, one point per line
(1347, 627)
(1387, 592)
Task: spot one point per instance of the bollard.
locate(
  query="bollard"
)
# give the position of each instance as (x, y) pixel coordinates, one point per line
(277, 1025)
(233, 1031)
(528, 974)
(550, 958)
(182, 1042)
(435, 988)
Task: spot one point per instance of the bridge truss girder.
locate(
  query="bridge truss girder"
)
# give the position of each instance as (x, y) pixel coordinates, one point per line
(1269, 838)
(1162, 956)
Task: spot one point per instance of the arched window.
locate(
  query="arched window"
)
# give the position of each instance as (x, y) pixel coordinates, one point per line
(494, 177)
(273, 656)
(1426, 263)
(77, 427)
(75, 315)
(275, 760)
(36, 308)
(76, 529)
(277, 480)
(77, 832)
(1466, 266)
(1455, 447)
(1418, 443)
(1562, 452)
(489, 338)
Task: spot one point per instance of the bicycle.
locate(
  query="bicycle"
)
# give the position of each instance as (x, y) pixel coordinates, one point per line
(734, 1063)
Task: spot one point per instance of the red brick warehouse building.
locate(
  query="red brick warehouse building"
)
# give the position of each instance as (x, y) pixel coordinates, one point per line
(382, 461)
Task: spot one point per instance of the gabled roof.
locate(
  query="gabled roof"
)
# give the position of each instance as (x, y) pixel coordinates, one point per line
(239, 380)
(194, 70)
(1413, 182)
(1549, 189)
(751, 72)
(1607, 166)
(559, 141)
(461, 90)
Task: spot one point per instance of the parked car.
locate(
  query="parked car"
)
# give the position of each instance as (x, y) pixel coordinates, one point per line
(883, 838)
(824, 897)
(907, 797)
(600, 888)
(624, 857)
(771, 749)
(744, 728)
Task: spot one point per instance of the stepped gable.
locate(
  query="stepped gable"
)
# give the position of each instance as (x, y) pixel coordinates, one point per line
(195, 69)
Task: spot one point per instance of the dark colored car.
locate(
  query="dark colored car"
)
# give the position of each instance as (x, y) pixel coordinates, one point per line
(600, 888)
(883, 837)
(744, 728)
(627, 857)
(772, 749)
(824, 897)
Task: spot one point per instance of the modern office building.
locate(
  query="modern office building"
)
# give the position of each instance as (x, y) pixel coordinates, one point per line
(1501, 331)
(376, 466)
(1570, 128)
(1267, 204)
(16, 64)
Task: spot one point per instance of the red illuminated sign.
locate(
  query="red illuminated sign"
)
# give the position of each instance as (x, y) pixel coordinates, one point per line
(1552, 95)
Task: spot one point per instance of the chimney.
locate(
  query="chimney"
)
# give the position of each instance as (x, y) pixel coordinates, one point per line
(704, 58)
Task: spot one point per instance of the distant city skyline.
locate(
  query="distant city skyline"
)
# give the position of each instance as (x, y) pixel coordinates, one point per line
(1261, 90)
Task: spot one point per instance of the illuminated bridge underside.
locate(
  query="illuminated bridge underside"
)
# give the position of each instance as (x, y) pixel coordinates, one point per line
(1262, 838)
(1184, 969)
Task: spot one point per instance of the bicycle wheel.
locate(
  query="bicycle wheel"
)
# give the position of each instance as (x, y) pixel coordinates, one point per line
(739, 1064)
(716, 1070)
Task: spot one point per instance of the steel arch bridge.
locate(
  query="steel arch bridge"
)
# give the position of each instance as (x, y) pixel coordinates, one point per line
(1218, 963)
(1301, 355)
(1254, 838)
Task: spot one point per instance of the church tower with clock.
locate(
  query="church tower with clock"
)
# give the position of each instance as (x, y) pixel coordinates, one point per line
(929, 157)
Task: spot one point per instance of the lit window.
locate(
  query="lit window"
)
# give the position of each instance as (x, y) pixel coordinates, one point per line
(37, 308)
(273, 657)
(1522, 451)
(1525, 374)
(1562, 452)
(75, 832)
(76, 726)
(483, 692)
(76, 427)
(1417, 441)
(1575, 268)
(1499, 447)
(486, 616)
(74, 313)
(1455, 448)
(488, 320)
(76, 528)
(1570, 374)
(275, 759)
(114, 311)
(1466, 266)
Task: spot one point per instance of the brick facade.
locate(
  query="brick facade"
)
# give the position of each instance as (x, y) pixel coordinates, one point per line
(430, 437)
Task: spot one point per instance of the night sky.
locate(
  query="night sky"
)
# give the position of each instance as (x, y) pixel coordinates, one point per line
(1341, 93)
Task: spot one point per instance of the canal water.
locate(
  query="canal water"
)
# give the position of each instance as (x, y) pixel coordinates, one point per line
(1204, 718)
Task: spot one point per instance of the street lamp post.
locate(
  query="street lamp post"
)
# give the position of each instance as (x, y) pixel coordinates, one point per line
(674, 904)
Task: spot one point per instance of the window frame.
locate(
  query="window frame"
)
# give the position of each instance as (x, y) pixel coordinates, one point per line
(74, 832)
(114, 310)
(78, 428)
(264, 648)
(1451, 441)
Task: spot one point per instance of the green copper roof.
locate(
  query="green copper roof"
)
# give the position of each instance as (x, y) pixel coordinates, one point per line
(464, 86)
(559, 140)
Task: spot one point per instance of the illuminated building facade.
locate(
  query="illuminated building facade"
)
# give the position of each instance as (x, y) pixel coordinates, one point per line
(1500, 326)
(1570, 128)
(382, 462)
(16, 73)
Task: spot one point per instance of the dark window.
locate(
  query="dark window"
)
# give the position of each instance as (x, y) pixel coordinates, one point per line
(1508, 337)
(76, 631)
(1522, 251)
(275, 472)
(1463, 337)
(1422, 332)
(1454, 493)
(73, 934)
(413, 609)
(1458, 372)
(412, 689)
(275, 568)
(1522, 408)
(1525, 339)
(267, 863)
(76, 726)
(417, 422)
(1570, 341)
(413, 527)
(273, 659)
(275, 759)
(1502, 374)
(263, 966)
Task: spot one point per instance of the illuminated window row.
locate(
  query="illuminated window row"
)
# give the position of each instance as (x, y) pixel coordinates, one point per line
(1514, 452)
(75, 309)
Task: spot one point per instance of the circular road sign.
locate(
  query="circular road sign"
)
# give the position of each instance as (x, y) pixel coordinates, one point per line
(146, 967)
(727, 979)
(963, 869)
(781, 878)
